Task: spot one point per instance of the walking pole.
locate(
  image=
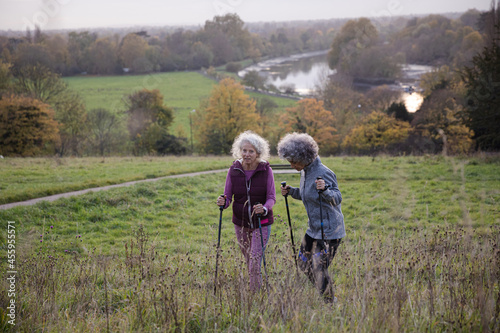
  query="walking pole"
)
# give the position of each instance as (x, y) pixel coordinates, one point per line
(262, 243)
(221, 208)
(321, 216)
(283, 184)
(323, 234)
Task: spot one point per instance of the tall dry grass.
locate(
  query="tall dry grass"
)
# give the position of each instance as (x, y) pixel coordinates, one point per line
(435, 279)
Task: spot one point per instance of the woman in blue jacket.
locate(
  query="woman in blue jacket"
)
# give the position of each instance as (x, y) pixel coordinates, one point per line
(318, 248)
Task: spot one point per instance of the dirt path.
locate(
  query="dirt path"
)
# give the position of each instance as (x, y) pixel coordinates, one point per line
(103, 188)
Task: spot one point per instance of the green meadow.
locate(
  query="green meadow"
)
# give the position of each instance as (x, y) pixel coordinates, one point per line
(422, 252)
(182, 91)
(29, 178)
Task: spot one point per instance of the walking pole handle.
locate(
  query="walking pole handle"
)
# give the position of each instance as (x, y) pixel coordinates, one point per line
(258, 214)
(222, 196)
(283, 184)
(318, 178)
(326, 186)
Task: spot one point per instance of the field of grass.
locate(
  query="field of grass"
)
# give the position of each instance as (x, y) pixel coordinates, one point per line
(28, 178)
(182, 91)
(422, 253)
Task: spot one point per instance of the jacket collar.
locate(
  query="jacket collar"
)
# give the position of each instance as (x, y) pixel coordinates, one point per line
(313, 165)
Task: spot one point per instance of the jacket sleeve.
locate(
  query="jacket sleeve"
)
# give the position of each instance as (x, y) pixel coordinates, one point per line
(332, 193)
(271, 191)
(228, 190)
(295, 193)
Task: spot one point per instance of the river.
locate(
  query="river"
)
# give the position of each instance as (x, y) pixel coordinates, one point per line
(305, 71)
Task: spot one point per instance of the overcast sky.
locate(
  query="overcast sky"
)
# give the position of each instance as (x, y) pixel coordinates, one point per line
(74, 14)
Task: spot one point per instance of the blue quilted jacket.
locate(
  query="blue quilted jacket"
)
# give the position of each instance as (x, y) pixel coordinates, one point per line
(333, 219)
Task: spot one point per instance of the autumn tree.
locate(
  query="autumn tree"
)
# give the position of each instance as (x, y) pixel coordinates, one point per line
(5, 77)
(228, 38)
(257, 49)
(132, 53)
(399, 111)
(438, 119)
(472, 41)
(438, 79)
(380, 98)
(71, 116)
(148, 119)
(58, 47)
(103, 58)
(438, 123)
(265, 107)
(40, 83)
(102, 125)
(428, 39)
(309, 116)
(38, 36)
(470, 17)
(376, 132)
(32, 55)
(354, 37)
(201, 55)
(154, 54)
(227, 112)
(482, 80)
(253, 79)
(79, 44)
(27, 126)
(347, 105)
(221, 48)
(176, 50)
(356, 51)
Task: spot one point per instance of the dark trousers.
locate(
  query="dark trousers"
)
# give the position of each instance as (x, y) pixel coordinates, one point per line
(314, 261)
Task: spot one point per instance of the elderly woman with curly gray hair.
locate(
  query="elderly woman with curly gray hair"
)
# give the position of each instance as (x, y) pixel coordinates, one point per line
(250, 181)
(322, 199)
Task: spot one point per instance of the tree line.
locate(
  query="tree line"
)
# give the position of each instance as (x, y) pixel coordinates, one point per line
(434, 40)
(220, 41)
(40, 115)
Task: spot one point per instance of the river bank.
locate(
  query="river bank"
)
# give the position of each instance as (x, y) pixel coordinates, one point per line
(302, 72)
(267, 64)
(305, 70)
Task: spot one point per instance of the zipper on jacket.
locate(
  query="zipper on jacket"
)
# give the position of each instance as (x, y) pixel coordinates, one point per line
(248, 185)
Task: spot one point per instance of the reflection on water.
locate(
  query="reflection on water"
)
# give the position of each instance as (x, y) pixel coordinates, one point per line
(305, 71)
(412, 101)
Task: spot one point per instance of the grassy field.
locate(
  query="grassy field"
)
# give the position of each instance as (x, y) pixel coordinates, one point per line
(182, 91)
(422, 253)
(28, 178)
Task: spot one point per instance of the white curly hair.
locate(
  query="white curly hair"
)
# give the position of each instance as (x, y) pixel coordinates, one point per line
(260, 144)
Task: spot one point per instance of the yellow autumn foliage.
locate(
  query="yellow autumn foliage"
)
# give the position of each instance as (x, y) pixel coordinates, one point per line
(376, 132)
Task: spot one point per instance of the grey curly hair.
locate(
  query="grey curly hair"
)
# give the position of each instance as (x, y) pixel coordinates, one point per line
(260, 144)
(298, 148)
